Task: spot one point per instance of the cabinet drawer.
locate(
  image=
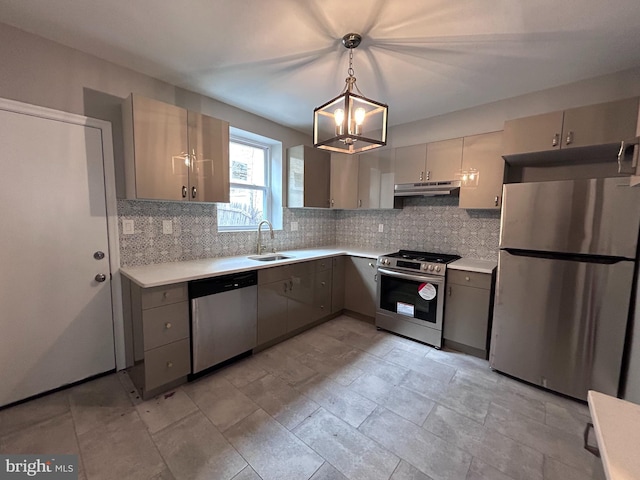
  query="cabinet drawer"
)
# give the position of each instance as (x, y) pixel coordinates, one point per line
(162, 325)
(273, 274)
(167, 363)
(304, 269)
(165, 295)
(324, 264)
(470, 279)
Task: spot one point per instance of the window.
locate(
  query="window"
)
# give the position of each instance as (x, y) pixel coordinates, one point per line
(253, 176)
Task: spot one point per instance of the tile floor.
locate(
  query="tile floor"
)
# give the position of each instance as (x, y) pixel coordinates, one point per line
(341, 401)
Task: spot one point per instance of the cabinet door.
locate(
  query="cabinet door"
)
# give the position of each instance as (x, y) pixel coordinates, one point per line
(376, 180)
(301, 309)
(344, 180)
(360, 285)
(410, 163)
(444, 160)
(159, 142)
(337, 284)
(539, 133)
(483, 153)
(317, 174)
(600, 124)
(272, 310)
(466, 317)
(322, 294)
(209, 159)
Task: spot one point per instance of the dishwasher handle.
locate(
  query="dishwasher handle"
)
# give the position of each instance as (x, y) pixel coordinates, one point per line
(224, 283)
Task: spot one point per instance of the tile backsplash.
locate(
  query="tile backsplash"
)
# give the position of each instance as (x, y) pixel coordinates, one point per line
(195, 232)
(431, 223)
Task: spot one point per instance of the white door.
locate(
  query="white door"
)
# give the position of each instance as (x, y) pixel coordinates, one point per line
(56, 319)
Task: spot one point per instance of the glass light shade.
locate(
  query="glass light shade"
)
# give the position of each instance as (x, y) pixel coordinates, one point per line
(468, 177)
(350, 124)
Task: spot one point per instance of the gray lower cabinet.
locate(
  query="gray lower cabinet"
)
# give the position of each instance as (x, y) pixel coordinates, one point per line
(360, 285)
(337, 283)
(292, 297)
(467, 311)
(160, 324)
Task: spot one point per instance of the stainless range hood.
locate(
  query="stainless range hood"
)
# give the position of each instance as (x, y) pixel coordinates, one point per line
(427, 189)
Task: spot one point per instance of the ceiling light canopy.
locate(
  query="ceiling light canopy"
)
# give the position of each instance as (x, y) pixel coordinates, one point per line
(350, 123)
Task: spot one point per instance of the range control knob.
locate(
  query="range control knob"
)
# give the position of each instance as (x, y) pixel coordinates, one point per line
(438, 268)
(386, 261)
(424, 266)
(431, 268)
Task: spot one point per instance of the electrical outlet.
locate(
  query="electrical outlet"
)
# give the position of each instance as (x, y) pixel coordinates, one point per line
(167, 227)
(380, 227)
(127, 227)
(294, 226)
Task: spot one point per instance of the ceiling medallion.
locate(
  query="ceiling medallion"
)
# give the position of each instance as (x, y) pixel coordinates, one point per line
(350, 123)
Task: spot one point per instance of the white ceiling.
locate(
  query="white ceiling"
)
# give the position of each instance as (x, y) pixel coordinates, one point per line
(281, 58)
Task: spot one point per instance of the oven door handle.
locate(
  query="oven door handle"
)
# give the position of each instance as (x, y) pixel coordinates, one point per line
(417, 278)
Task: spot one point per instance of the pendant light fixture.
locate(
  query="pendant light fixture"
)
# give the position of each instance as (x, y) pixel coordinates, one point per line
(350, 123)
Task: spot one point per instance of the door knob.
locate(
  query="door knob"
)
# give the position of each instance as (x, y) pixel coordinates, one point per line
(101, 277)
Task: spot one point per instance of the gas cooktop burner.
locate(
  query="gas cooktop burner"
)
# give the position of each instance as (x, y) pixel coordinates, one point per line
(423, 256)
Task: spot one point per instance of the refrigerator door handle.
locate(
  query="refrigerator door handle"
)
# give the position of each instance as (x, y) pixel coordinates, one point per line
(628, 155)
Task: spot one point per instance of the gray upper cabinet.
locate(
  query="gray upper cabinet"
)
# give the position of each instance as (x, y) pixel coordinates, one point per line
(410, 163)
(444, 159)
(483, 153)
(173, 154)
(538, 133)
(376, 180)
(309, 173)
(593, 125)
(344, 180)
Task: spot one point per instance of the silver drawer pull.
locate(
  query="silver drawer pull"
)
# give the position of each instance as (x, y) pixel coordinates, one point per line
(169, 364)
(467, 278)
(168, 325)
(322, 283)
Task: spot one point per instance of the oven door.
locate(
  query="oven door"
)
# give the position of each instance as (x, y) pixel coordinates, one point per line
(415, 298)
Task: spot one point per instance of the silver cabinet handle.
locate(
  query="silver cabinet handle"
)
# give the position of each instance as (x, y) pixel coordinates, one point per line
(569, 139)
(556, 140)
(359, 203)
(449, 290)
(323, 283)
(169, 364)
(421, 176)
(497, 201)
(628, 148)
(428, 175)
(193, 192)
(285, 287)
(290, 285)
(168, 325)
(101, 277)
(184, 191)
(333, 202)
(372, 265)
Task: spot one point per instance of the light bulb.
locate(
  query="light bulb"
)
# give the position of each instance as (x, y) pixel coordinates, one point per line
(338, 116)
(472, 177)
(360, 114)
(464, 177)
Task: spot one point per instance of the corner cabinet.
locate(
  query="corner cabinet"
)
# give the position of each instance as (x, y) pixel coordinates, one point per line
(360, 289)
(174, 154)
(344, 180)
(308, 177)
(483, 153)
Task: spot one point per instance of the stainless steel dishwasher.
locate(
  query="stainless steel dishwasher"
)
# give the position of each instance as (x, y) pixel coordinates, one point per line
(224, 317)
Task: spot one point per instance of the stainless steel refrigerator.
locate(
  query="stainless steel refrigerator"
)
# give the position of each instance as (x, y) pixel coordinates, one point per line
(566, 270)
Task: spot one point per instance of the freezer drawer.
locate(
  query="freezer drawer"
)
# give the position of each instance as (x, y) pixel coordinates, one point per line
(595, 217)
(561, 324)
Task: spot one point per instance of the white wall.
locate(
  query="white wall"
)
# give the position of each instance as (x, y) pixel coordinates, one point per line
(491, 117)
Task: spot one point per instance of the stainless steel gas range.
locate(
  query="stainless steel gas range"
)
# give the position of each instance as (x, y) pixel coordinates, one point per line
(410, 300)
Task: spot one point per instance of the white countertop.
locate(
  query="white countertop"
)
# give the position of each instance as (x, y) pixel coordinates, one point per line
(473, 265)
(167, 273)
(617, 426)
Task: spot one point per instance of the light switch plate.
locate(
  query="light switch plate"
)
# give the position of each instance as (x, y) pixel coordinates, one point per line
(294, 226)
(167, 227)
(127, 227)
(380, 227)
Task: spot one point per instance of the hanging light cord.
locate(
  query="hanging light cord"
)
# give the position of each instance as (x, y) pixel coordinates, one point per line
(350, 82)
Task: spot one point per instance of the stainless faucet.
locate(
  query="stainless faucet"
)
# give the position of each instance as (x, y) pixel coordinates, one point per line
(260, 246)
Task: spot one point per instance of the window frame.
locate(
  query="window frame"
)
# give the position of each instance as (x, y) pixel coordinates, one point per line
(266, 189)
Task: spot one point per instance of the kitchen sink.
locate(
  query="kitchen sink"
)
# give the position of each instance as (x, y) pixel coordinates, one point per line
(270, 257)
